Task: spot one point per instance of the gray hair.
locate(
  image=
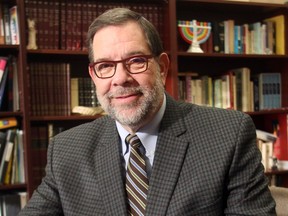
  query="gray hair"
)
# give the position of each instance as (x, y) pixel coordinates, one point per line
(119, 16)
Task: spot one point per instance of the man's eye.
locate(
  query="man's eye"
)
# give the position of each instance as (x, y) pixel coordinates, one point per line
(104, 66)
(136, 60)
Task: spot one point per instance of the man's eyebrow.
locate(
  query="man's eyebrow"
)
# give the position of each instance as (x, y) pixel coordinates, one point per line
(134, 53)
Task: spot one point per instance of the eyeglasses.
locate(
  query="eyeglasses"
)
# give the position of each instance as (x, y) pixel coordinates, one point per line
(134, 65)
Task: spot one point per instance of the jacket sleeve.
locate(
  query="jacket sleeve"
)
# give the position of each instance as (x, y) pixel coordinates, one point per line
(45, 199)
(247, 186)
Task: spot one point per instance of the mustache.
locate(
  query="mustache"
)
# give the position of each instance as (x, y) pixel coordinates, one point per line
(121, 91)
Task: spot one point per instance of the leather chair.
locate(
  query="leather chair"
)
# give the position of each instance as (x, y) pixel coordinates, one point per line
(280, 195)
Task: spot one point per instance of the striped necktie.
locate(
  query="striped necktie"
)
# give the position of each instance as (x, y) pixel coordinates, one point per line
(136, 178)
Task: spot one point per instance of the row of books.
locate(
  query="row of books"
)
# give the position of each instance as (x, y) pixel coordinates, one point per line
(62, 24)
(11, 157)
(54, 92)
(83, 92)
(263, 1)
(263, 37)
(9, 25)
(49, 88)
(12, 203)
(236, 89)
(9, 89)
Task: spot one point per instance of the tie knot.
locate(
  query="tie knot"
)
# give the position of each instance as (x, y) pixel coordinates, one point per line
(133, 140)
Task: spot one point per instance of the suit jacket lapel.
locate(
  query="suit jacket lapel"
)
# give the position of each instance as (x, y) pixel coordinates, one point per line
(169, 157)
(108, 166)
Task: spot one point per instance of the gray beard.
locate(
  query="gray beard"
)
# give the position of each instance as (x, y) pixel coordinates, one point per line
(145, 108)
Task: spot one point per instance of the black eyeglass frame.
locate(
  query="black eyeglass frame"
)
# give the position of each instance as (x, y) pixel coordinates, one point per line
(147, 57)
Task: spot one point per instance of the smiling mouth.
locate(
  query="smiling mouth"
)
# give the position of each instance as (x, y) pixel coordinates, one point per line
(126, 96)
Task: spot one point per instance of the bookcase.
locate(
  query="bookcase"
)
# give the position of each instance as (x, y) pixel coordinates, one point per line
(45, 73)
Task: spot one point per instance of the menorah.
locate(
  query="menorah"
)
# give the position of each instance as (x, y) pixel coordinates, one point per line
(194, 33)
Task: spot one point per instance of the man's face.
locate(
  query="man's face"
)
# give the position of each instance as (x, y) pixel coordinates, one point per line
(132, 99)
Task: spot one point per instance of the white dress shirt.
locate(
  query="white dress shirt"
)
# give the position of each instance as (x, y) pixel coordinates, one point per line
(148, 137)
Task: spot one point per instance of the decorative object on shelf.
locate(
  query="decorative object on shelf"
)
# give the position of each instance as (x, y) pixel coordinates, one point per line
(88, 110)
(32, 35)
(194, 33)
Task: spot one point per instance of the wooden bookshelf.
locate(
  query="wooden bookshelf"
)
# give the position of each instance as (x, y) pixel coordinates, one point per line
(278, 177)
(165, 15)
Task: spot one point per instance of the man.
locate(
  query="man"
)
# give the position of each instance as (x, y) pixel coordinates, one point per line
(196, 160)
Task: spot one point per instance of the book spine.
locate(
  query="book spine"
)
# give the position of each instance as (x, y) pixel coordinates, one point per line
(63, 14)
(2, 32)
(56, 25)
(69, 25)
(40, 24)
(6, 20)
(14, 26)
(46, 26)
(7, 155)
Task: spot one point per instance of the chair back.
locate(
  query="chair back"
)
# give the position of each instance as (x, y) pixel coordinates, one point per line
(280, 195)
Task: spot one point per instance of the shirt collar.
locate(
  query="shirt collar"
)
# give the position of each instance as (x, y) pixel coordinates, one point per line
(144, 133)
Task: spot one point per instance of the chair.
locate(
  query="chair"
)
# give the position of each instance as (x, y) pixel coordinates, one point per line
(280, 195)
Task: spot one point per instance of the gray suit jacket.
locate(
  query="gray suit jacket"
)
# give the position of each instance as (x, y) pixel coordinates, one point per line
(206, 163)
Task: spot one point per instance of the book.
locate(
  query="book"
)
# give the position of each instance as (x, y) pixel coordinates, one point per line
(3, 63)
(6, 21)
(15, 171)
(266, 149)
(10, 85)
(228, 90)
(20, 174)
(74, 93)
(218, 36)
(265, 136)
(13, 203)
(242, 76)
(7, 174)
(238, 39)
(229, 36)
(7, 154)
(14, 26)
(245, 38)
(14, 94)
(269, 91)
(198, 94)
(4, 90)
(8, 122)
(279, 33)
(2, 32)
(2, 143)
(207, 90)
(217, 91)
(270, 36)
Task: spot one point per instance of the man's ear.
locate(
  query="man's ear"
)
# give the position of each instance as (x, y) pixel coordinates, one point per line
(164, 63)
(91, 73)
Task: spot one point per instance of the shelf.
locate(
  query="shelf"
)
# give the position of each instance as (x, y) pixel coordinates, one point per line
(231, 56)
(64, 118)
(13, 187)
(56, 52)
(222, 5)
(283, 110)
(10, 47)
(277, 172)
(11, 114)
